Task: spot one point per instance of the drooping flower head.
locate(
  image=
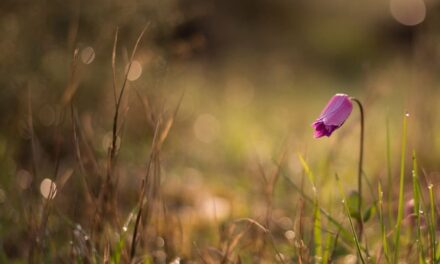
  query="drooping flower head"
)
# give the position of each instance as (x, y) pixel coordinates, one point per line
(333, 116)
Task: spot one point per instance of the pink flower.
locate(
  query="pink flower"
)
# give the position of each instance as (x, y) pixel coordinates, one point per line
(333, 116)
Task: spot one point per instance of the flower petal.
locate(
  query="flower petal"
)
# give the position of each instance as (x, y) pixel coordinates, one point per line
(337, 110)
(323, 130)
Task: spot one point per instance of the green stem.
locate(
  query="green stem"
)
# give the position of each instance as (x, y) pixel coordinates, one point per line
(389, 183)
(361, 158)
(432, 225)
(401, 185)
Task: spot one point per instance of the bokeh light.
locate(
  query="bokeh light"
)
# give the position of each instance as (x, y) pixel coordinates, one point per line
(206, 128)
(24, 179)
(135, 70)
(48, 188)
(87, 55)
(408, 12)
(214, 208)
(107, 142)
(290, 235)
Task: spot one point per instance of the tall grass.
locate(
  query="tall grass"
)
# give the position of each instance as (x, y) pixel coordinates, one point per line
(384, 238)
(282, 221)
(417, 208)
(317, 233)
(397, 239)
(353, 230)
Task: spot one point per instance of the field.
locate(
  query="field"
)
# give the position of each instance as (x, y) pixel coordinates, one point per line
(181, 131)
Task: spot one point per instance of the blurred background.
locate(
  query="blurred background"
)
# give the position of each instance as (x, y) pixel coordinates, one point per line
(254, 74)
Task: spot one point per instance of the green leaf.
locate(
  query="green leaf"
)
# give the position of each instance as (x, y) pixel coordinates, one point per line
(353, 204)
(370, 212)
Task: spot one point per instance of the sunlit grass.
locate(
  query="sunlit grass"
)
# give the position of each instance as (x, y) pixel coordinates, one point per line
(188, 156)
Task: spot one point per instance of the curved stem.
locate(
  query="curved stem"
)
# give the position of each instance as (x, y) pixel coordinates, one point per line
(361, 158)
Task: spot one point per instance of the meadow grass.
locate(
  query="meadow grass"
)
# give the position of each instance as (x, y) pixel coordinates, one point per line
(281, 217)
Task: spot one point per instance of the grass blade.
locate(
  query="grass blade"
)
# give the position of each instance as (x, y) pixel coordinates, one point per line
(328, 248)
(432, 225)
(382, 225)
(389, 175)
(353, 230)
(317, 236)
(416, 197)
(344, 232)
(402, 179)
(307, 171)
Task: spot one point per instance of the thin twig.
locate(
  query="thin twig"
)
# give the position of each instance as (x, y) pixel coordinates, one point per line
(78, 156)
(142, 194)
(119, 99)
(199, 253)
(114, 64)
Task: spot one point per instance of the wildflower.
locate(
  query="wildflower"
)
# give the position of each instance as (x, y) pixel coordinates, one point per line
(337, 110)
(333, 116)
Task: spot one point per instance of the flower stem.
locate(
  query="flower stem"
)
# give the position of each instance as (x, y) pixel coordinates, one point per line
(361, 158)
